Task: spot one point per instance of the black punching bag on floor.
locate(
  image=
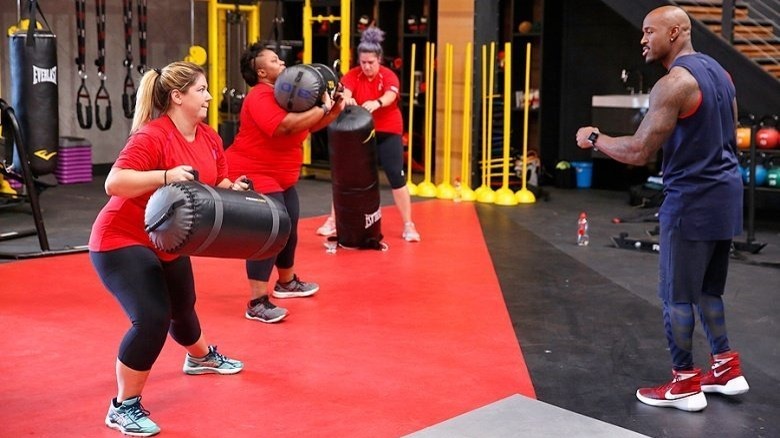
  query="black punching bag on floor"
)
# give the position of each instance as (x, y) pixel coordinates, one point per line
(33, 62)
(191, 218)
(353, 164)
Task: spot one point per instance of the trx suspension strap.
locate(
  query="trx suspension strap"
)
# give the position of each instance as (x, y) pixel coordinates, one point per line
(100, 62)
(33, 24)
(128, 96)
(83, 99)
(142, 37)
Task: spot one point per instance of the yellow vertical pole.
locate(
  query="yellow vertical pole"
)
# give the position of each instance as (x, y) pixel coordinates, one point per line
(525, 196)
(483, 126)
(307, 34)
(253, 33)
(466, 193)
(426, 188)
(410, 125)
(346, 35)
(445, 190)
(213, 57)
(216, 63)
(307, 57)
(505, 195)
(487, 195)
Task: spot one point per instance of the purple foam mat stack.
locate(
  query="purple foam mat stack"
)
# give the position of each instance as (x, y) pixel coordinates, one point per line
(16, 185)
(74, 161)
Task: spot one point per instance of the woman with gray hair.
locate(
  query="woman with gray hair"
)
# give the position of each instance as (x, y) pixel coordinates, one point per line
(376, 88)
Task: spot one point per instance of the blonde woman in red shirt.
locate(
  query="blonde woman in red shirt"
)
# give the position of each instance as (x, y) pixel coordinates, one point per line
(155, 289)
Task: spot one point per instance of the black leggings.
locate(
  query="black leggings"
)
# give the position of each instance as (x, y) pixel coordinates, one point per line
(157, 296)
(390, 152)
(260, 270)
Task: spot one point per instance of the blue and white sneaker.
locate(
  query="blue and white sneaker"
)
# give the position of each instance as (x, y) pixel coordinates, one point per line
(130, 418)
(212, 363)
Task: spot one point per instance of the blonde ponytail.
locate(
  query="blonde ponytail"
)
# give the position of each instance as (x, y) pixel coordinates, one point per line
(154, 90)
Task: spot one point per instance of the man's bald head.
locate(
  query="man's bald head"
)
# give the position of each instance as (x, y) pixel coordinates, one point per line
(671, 16)
(666, 33)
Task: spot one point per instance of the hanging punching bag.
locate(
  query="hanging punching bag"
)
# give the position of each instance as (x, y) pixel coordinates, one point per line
(33, 65)
(191, 218)
(353, 164)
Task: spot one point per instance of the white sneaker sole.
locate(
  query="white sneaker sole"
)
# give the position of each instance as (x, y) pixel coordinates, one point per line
(735, 386)
(267, 321)
(278, 294)
(693, 403)
(199, 371)
(124, 432)
(411, 237)
(326, 231)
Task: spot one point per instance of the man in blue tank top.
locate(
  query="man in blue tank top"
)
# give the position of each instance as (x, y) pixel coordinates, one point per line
(692, 116)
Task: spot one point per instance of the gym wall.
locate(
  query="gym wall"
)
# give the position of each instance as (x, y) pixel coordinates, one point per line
(168, 40)
(595, 45)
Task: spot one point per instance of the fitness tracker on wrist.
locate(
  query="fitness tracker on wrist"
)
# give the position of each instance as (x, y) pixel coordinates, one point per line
(592, 138)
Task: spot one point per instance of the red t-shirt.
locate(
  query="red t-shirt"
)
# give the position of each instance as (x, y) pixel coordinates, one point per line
(388, 118)
(156, 146)
(272, 163)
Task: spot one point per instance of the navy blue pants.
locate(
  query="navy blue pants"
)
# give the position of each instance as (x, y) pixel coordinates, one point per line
(692, 274)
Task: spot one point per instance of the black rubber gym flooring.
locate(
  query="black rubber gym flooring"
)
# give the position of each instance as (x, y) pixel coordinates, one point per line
(587, 318)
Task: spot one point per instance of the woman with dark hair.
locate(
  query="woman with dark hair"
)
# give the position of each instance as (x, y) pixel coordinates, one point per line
(268, 149)
(155, 289)
(376, 88)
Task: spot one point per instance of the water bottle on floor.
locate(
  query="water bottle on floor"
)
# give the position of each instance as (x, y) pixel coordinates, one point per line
(582, 230)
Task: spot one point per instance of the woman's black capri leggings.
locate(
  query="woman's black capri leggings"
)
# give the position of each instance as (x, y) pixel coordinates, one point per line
(260, 270)
(390, 152)
(157, 296)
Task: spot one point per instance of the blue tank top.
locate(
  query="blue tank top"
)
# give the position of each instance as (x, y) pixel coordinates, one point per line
(701, 173)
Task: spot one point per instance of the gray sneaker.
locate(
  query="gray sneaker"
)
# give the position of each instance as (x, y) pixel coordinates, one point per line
(131, 418)
(265, 311)
(296, 288)
(212, 363)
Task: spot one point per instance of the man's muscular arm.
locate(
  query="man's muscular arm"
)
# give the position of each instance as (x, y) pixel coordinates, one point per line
(675, 94)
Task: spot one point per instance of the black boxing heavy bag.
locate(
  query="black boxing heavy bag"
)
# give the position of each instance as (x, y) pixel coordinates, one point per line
(34, 97)
(299, 87)
(353, 164)
(329, 77)
(191, 218)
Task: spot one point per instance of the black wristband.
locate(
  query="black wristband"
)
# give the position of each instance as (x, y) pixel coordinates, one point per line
(165, 177)
(379, 101)
(592, 139)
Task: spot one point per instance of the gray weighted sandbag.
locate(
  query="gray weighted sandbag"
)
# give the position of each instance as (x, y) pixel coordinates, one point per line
(300, 87)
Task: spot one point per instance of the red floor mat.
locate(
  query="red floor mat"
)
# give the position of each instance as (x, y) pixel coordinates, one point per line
(394, 342)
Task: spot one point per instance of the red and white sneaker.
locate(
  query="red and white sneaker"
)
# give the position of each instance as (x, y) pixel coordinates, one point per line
(725, 375)
(683, 392)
